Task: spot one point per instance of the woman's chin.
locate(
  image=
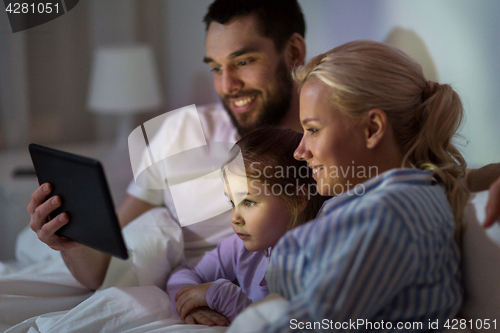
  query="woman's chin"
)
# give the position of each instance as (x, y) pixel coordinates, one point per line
(330, 188)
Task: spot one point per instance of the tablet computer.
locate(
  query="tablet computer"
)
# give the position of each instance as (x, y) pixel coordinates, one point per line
(81, 184)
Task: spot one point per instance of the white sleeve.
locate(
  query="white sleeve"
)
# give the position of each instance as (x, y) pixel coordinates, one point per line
(161, 137)
(179, 152)
(154, 197)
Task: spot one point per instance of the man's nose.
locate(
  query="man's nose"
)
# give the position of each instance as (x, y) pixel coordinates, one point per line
(231, 83)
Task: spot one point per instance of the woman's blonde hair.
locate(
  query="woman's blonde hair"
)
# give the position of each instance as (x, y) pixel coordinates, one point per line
(424, 115)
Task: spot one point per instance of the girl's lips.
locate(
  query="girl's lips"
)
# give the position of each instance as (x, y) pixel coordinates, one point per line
(242, 236)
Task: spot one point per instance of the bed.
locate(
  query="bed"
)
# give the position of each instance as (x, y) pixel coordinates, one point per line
(38, 293)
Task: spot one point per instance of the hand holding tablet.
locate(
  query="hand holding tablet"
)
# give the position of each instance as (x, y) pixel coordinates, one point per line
(81, 184)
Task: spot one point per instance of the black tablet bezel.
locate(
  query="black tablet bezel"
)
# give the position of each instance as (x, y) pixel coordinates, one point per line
(81, 184)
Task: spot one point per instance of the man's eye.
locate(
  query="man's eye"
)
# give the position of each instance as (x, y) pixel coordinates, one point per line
(244, 62)
(216, 69)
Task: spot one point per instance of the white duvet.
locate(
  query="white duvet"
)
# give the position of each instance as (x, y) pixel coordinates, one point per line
(129, 309)
(39, 294)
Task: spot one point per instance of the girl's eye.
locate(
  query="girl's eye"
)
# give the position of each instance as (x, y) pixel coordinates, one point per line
(248, 203)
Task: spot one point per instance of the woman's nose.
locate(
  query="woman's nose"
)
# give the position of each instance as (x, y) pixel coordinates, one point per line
(301, 152)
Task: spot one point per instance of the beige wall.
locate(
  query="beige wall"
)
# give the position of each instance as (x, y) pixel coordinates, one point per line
(44, 71)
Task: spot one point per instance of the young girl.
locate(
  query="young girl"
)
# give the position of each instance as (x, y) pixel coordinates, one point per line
(382, 255)
(271, 192)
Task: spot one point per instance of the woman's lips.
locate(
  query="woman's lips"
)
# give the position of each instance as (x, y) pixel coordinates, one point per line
(316, 170)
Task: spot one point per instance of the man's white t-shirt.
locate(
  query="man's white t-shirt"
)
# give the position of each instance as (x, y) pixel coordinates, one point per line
(181, 131)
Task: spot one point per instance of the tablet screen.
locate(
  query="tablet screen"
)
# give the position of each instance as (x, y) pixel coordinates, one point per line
(81, 184)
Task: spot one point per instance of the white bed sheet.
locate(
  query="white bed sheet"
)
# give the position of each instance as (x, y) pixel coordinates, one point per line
(127, 310)
(39, 288)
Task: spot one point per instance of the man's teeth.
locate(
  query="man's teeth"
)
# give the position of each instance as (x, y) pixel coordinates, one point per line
(244, 101)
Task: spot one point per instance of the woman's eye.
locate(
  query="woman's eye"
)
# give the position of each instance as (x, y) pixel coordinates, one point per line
(311, 130)
(232, 204)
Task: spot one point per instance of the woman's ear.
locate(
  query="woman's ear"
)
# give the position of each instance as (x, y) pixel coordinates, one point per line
(376, 126)
(295, 52)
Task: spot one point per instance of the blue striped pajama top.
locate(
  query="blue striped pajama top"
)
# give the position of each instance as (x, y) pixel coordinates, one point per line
(388, 254)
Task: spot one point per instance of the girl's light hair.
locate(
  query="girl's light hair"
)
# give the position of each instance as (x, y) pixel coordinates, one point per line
(424, 115)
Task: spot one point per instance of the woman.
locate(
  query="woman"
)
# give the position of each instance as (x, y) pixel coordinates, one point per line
(383, 253)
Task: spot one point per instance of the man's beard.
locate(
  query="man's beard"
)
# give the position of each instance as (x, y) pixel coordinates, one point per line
(273, 110)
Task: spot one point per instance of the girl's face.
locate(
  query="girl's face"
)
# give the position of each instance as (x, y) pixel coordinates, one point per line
(333, 145)
(259, 218)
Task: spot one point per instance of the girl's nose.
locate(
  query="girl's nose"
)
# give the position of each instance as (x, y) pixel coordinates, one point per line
(236, 218)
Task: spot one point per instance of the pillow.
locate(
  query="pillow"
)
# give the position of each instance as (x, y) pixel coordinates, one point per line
(155, 245)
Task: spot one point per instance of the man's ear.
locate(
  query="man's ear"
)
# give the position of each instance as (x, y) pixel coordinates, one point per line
(375, 127)
(295, 51)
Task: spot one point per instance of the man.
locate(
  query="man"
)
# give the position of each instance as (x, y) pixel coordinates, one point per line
(252, 52)
(252, 46)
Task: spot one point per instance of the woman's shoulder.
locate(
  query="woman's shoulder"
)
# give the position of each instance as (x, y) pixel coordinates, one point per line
(404, 196)
(394, 189)
(408, 200)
